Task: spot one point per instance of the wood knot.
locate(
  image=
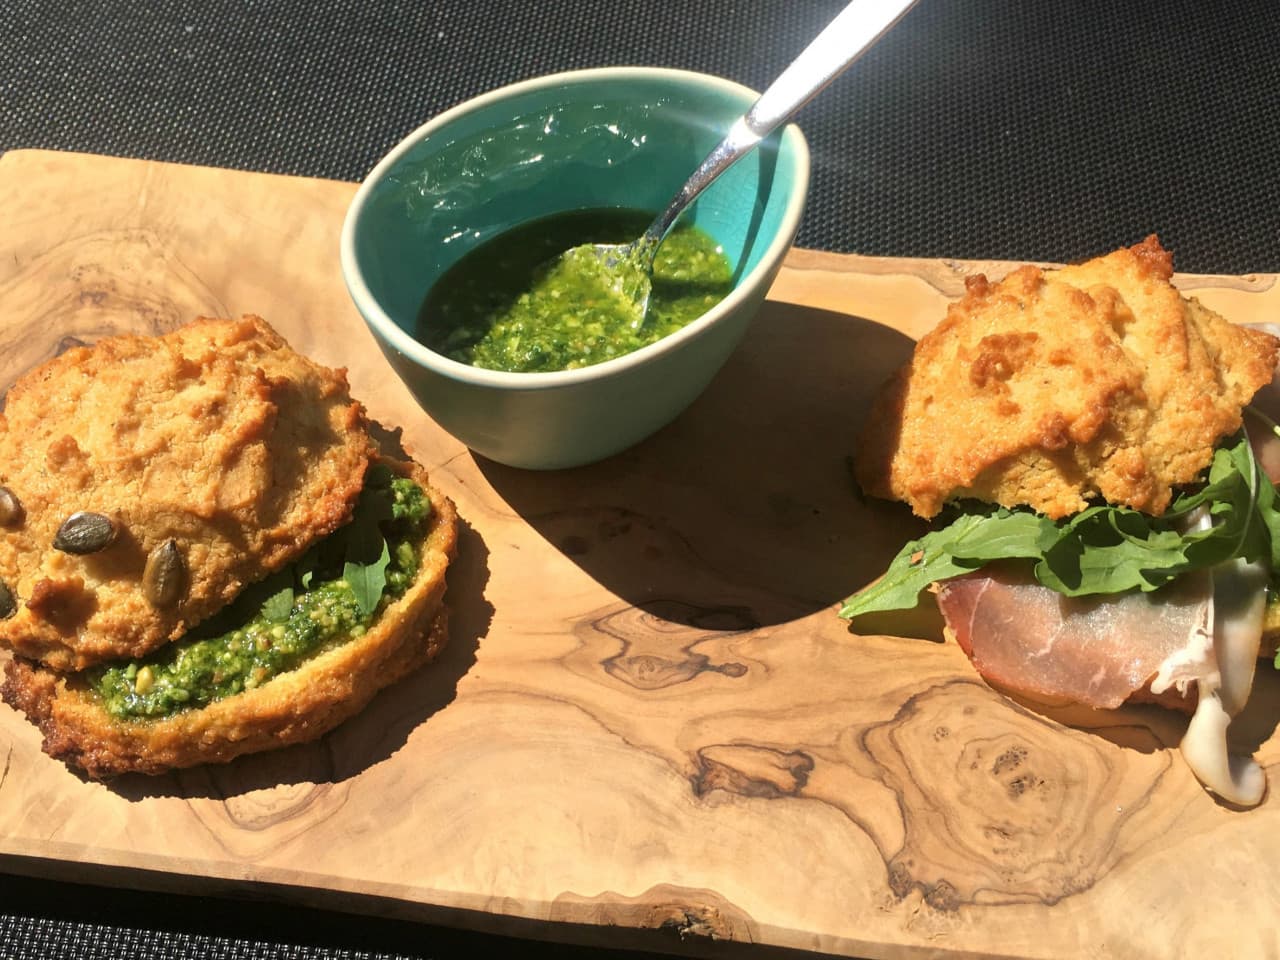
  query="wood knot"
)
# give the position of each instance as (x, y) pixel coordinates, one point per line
(658, 643)
(996, 806)
(751, 771)
(1011, 759)
(686, 912)
(941, 895)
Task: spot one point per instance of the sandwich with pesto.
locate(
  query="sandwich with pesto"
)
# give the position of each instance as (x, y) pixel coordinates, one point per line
(204, 552)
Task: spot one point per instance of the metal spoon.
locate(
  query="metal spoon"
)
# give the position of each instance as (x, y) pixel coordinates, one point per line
(853, 30)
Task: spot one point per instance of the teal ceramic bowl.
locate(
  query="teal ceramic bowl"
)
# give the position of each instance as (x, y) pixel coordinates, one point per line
(617, 137)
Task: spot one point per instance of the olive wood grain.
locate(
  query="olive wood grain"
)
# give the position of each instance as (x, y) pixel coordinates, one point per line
(650, 727)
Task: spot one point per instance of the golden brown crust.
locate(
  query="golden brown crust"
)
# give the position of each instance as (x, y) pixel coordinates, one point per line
(1052, 388)
(295, 707)
(217, 435)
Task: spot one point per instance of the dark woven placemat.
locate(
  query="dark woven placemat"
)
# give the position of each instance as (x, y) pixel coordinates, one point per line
(985, 128)
(43, 920)
(988, 128)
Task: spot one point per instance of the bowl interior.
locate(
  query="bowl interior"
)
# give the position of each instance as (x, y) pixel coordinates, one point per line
(611, 138)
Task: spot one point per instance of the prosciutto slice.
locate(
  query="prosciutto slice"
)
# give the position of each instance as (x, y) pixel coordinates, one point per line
(1191, 646)
(1028, 639)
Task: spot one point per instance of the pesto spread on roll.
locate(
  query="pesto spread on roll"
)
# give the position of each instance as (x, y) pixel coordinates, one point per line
(329, 596)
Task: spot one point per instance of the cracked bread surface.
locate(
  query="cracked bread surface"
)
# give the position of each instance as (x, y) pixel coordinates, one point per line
(217, 436)
(1056, 388)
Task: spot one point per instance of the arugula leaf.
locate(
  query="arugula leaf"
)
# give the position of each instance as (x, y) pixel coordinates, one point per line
(920, 563)
(1270, 520)
(279, 605)
(1102, 549)
(1109, 550)
(1267, 501)
(365, 552)
(306, 568)
(1005, 534)
(962, 547)
(252, 599)
(368, 579)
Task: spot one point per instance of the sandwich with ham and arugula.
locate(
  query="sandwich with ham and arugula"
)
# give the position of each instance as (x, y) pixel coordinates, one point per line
(1102, 529)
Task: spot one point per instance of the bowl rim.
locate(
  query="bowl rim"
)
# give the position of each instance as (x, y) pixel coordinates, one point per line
(391, 332)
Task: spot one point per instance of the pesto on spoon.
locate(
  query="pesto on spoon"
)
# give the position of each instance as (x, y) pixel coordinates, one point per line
(629, 266)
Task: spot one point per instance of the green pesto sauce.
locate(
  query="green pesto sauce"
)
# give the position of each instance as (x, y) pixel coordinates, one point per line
(515, 304)
(275, 626)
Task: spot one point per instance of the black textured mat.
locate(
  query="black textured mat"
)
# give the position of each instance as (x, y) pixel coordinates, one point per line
(989, 128)
(44, 920)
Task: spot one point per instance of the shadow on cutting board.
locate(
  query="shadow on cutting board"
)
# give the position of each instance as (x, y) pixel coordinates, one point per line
(746, 502)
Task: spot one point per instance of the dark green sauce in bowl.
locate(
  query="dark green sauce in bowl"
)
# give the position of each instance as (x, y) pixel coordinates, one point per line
(515, 304)
(620, 138)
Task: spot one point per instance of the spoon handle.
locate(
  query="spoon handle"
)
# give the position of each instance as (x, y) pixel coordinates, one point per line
(854, 29)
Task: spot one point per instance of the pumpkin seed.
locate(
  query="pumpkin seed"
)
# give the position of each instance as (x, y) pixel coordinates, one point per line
(164, 575)
(85, 532)
(144, 680)
(8, 602)
(10, 507)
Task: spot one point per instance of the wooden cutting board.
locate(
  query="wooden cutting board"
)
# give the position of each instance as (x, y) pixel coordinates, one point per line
(650, 728)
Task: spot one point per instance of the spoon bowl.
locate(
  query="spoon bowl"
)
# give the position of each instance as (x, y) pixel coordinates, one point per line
(628, 267)
(859, 25)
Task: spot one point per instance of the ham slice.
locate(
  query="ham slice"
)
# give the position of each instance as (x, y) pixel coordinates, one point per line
(1027, 639)
(1101, 652)
(1191, 646)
